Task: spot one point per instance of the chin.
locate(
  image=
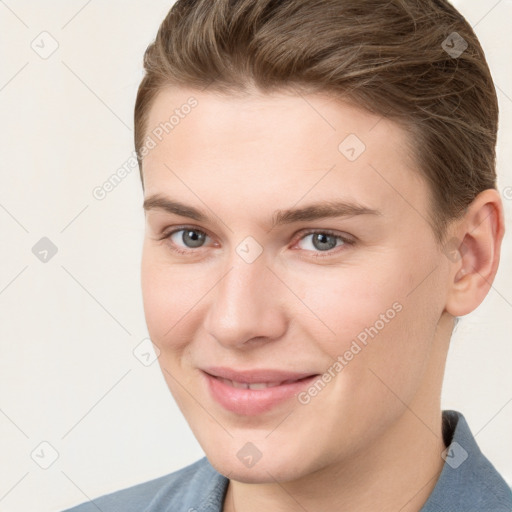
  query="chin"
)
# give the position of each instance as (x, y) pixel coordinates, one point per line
(263, 471)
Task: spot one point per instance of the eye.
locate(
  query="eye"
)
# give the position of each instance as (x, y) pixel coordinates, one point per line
(184, 239)
(323, 241)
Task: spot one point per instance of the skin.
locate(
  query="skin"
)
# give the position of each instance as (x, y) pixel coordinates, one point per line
(371, 439)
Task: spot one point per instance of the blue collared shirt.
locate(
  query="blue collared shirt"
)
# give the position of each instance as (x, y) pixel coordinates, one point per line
(468, 483)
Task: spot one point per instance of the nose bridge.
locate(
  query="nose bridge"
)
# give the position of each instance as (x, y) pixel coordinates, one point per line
(243, 305)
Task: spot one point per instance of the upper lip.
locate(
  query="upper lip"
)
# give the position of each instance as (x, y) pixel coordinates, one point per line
(256, 375)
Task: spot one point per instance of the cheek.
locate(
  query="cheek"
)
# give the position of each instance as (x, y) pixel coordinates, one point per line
(351, 300)
(172, 297)
(375, 321)
(163, 294)
(165, 301)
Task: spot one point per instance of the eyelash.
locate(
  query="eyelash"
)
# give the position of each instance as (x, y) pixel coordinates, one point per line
(316, 254)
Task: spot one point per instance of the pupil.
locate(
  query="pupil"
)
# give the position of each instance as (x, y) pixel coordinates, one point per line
(320, 240)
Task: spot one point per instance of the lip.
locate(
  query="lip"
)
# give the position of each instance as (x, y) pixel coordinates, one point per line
(251, 402)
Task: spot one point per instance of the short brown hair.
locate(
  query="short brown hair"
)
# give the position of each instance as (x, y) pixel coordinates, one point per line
(390, 57)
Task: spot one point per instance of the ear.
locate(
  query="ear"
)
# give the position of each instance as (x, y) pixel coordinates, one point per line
(474, 253)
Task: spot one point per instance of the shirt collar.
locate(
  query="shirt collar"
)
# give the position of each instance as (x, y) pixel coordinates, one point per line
(468, 481)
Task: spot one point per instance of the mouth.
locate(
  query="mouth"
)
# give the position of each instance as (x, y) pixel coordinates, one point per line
(254, 392)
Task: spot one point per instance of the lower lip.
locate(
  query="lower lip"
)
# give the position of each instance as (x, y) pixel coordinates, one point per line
(250, 402)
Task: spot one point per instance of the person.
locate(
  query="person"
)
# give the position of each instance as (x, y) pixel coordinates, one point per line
(321, 208)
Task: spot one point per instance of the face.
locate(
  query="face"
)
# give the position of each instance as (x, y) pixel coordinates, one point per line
(287, 247)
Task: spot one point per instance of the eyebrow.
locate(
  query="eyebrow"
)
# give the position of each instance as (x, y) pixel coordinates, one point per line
(316, 211)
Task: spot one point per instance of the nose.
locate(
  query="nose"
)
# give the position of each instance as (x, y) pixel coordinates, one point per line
(246, 305)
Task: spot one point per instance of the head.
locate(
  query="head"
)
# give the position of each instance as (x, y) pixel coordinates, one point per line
(319, 183)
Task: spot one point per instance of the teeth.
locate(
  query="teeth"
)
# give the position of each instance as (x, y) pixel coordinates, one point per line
(255, 385)
(260, 385)
(263, 385)
(238, 385)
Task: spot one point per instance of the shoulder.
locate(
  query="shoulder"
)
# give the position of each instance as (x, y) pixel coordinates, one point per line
(195, 487)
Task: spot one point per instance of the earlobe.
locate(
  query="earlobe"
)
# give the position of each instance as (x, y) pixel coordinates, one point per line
(474, 253)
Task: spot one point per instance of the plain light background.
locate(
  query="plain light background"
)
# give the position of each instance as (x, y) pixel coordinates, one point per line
(69, 326)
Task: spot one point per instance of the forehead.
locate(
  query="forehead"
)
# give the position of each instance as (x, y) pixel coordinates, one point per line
(278, 148)
(260, 116)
